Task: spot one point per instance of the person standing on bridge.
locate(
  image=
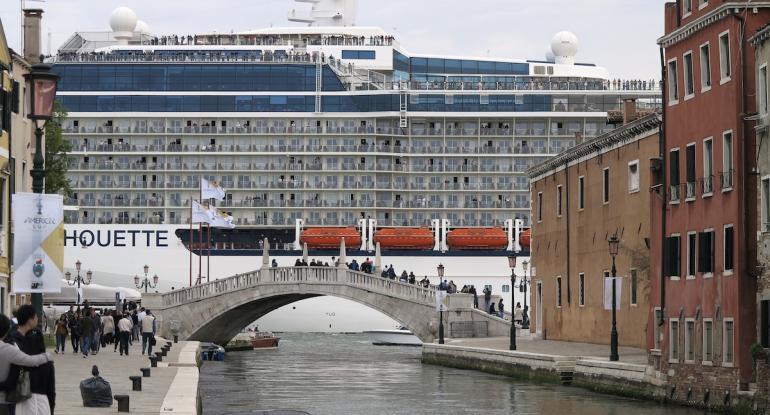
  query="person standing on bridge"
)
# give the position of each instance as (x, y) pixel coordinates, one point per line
(472, 290)
(487, 298)
(501, 308)
(148, 332)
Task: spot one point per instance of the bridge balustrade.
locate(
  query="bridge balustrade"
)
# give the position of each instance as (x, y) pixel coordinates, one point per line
(291, 275)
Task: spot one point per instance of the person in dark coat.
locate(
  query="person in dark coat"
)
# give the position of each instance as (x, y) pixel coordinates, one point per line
(73, 322)
(86, 333)
(42, 379)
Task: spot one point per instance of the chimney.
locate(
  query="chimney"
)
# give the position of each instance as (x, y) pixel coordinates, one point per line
(32, 48)
(629, 110)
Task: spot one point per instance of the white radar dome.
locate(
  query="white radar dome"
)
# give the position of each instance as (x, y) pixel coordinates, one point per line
(564, 46)
(142, 28)
(123, 19)
(549, 56)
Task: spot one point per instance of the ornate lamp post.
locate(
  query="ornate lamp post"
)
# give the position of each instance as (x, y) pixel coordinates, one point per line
(145, 283)
(440, 270)
(614, 242)
(523, 286)
(512, 265)
(41, 84)
(78, 279)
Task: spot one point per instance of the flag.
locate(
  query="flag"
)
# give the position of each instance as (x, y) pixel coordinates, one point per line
(212, 190)
(222, 220)
(200, 214)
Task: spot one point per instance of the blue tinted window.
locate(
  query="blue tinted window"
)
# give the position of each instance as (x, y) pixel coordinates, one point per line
(419, 65)
(400, 62)
(470, 67)
(358, 54)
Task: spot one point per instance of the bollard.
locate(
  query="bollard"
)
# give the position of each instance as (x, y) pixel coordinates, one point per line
(164, 352)
(145, 372)
(122, 403)
(153, 361)
(176, 339)
(159, 356)
(168, 345)
(136, 382)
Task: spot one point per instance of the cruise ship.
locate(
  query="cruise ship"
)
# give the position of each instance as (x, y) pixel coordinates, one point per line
(319, 132)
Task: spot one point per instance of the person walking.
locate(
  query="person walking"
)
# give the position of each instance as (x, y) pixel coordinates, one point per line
(492, 309)
(518, 314)
(472, 290)
(501, 309)
(86, 332)
(11, 354)
(108, 329)
(96, 319)
(136, 329)
(487, 297)
(60, 331)
(148, 332)
(124, 332)
(73, 323)
(41, 378)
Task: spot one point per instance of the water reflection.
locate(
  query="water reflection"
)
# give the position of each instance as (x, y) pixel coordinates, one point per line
(344, 374)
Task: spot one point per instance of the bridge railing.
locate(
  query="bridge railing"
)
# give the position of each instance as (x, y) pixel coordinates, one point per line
(293, 275)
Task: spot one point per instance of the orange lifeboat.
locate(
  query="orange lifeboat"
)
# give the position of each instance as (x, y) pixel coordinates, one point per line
(477, 238)
(329, 238)
(525, 238)
(404, 238)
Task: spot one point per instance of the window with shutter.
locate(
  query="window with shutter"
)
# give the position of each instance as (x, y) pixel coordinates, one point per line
(706, 252)
(673, 256)
(16, 94)
(729, 248)
(764, 327)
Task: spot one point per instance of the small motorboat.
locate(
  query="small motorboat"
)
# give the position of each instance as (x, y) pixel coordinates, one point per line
(212, 352)
(264, 340)
(400, 337)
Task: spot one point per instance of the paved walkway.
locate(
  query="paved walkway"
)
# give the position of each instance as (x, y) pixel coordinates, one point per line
(531, 344)
(72, 368)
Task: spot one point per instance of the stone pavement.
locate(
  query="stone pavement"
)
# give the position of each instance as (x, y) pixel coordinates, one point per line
(529, 343)
(72, 368)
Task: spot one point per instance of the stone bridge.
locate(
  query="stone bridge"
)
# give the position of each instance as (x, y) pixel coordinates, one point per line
(219, 310)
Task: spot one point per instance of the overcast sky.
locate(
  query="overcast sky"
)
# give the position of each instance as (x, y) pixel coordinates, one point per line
(617, 34)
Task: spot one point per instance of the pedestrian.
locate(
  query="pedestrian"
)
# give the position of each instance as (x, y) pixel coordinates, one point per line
(487, 297)
(492, 309)
(518, 314)
(86, 332)
(41, 378)
(148, 332)
(472, 290)
(274, 263)
(96, 319)
(136, 330)
(10, 354)
(124, 332)
(73, 323)
(108, 329)
(61, 333)
(501, 308)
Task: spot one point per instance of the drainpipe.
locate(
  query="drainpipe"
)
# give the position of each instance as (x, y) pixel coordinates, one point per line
(569, 252)
(663, 190)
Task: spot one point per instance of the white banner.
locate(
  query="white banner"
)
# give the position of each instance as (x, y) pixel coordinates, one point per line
(38, 245)
(212, 190)
(608, 292)
(442, 301)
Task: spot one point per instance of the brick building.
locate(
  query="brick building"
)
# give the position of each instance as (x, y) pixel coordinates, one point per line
(580, 198)
(703, 248)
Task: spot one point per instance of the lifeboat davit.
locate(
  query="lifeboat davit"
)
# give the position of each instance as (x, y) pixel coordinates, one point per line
(329, 238)
(525, 238)
(477, 238)
(405, 238)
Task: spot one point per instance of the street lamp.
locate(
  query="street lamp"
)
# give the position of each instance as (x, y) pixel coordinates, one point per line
(512, 265)
(614, 242)
(78, 279)
(145, 283)
(41, 84)
(440, 270)
(523, 286)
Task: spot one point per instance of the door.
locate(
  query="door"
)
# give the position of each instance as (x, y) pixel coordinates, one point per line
(539, 309)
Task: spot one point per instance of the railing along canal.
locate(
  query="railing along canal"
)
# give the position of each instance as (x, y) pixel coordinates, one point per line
(293, 275)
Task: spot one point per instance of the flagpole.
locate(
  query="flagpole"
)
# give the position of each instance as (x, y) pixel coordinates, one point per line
(200, 239)
(208, 256)
(190, 244)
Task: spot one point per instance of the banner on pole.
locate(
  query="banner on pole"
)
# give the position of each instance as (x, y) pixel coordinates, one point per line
(442, 301)
(608, 292)
(38, 245)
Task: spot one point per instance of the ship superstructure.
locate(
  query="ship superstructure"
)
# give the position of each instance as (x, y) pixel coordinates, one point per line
(319, 126)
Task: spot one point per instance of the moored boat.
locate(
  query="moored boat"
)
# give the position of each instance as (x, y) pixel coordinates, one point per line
(400, 337)
(264, 340)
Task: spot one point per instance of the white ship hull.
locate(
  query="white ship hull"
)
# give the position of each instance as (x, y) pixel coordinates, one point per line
(118, 252)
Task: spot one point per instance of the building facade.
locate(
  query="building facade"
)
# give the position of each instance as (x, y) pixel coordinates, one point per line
(703, 319)
(6, 89)
(581, 198)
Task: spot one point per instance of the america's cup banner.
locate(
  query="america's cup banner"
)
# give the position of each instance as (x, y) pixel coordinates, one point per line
(38, 246)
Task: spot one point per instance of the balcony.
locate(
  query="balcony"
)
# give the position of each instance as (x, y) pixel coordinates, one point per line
(690, 189)
(675, 190)
(727, 180)
(707, 185)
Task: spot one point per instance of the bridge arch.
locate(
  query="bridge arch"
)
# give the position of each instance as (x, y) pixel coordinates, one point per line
(217, 311)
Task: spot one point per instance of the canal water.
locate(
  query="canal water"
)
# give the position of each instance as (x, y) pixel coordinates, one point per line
(327, 374)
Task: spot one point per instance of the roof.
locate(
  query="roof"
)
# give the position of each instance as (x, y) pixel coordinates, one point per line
(5, 54)
(620, 135)
(763, 33)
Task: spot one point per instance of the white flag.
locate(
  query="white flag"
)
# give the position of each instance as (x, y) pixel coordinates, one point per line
(222, 220)
(608, 293)
(200, 214)
(212, 190)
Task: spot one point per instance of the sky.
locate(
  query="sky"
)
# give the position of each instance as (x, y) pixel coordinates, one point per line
(619, 35)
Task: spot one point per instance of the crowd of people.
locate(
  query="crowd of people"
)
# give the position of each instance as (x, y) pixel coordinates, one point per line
(91, 330)
(636, 85)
